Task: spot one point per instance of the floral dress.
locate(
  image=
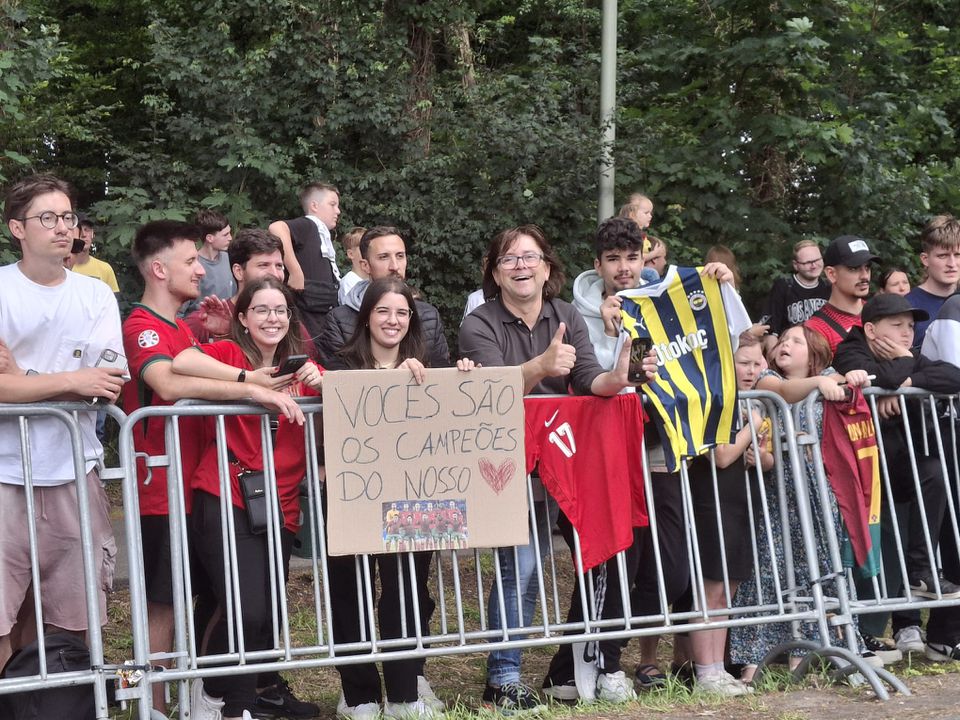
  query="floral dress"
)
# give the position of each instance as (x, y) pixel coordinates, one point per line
(750, 644)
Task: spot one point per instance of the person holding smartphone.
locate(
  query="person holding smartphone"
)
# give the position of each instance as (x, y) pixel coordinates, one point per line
(264, 334)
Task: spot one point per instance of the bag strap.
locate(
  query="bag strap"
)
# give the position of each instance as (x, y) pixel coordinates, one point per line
(837, 327)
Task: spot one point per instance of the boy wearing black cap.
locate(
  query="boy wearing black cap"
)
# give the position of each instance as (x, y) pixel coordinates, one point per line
(882, 348)
(847, 267)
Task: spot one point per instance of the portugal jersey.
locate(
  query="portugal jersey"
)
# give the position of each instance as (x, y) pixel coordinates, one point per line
(588, 453)
(694, 323)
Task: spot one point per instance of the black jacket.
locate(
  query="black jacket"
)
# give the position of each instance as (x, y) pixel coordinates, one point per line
(933, 375)
(342, 321)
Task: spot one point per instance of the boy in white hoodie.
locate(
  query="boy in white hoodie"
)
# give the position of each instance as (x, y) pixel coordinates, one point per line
(618, 265)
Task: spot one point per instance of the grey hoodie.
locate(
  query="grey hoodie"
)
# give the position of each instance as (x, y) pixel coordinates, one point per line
(587, 298)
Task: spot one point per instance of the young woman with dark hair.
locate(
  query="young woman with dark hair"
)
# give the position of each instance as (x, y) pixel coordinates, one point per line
(388, 336)
(264, 333)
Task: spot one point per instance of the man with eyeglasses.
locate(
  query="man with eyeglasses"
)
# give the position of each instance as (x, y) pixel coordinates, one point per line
(54, 326)
(526, 324)
(165, 252)
(792, 300)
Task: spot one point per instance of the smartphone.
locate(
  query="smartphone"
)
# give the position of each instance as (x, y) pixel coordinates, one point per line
(639, 348)
(291, 365)
(113, 359)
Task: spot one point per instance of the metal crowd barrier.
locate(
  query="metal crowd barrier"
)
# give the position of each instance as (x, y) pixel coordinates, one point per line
(823, 596)
(98, 676)
(924, 435)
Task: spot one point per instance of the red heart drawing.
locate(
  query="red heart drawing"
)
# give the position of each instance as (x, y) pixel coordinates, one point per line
(497, 477)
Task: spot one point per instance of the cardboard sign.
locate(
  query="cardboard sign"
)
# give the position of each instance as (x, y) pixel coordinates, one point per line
(435, 466)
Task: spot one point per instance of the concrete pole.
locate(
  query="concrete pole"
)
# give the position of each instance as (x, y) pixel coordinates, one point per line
(608, 101)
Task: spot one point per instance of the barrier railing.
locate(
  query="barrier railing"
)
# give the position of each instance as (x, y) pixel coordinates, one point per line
(917, 457)
(67, 415)
(794, 583)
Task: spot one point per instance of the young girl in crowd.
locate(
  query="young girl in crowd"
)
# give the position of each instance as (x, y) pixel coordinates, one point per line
(799, 364)
(264, 332)
(895, 280)
(708, 646)
(388, 336)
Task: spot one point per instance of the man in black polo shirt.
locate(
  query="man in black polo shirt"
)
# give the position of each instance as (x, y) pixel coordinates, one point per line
(526, 325)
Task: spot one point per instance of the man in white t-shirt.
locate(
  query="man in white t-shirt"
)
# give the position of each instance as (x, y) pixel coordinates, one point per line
(54, 326)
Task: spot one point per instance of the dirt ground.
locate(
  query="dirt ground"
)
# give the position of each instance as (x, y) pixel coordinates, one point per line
(459, 679)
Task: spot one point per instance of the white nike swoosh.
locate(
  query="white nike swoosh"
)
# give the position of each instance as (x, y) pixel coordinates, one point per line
(553, 417)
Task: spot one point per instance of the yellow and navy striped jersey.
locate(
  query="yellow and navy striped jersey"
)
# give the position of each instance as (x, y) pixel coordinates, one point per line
(694, 323)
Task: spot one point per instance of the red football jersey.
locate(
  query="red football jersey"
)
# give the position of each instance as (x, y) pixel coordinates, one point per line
(150, 338)
(588, 452)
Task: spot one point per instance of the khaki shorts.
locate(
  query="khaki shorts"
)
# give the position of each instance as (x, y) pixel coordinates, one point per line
(59, 553)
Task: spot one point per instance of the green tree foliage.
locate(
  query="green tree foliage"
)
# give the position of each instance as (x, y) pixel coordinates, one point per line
(749, 123)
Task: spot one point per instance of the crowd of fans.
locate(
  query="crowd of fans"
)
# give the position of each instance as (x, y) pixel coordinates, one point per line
(261, 315)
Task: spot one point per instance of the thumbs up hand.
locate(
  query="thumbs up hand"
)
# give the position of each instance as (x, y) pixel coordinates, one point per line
(559, 358)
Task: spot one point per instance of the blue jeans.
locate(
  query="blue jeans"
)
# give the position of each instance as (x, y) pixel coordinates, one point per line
(520, 582)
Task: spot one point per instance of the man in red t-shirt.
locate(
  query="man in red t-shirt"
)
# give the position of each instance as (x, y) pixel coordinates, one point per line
(165, 253)
(847, 266)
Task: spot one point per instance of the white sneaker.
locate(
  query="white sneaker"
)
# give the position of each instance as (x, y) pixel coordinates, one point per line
(909, 639)
(246, 716)
(428, 696)
(723, 684)
(418, 710)
(363, 711)
(202, 706)
(615, 688)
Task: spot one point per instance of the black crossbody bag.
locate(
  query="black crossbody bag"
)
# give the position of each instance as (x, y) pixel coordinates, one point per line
(253, 487)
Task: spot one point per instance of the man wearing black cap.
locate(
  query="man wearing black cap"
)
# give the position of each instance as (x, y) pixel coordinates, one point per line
(882, 348)
(847, 266)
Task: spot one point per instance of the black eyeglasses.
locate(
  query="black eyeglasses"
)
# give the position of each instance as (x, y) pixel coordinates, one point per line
(49, 219)
(511, 262)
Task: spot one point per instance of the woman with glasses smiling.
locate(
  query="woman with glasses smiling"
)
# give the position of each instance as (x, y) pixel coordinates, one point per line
(264, 333)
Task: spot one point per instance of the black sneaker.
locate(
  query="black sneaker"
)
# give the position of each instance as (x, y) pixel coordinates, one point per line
(279, 702)
(942, 653)
(923, 586)
(512, 698)
(883, 651)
